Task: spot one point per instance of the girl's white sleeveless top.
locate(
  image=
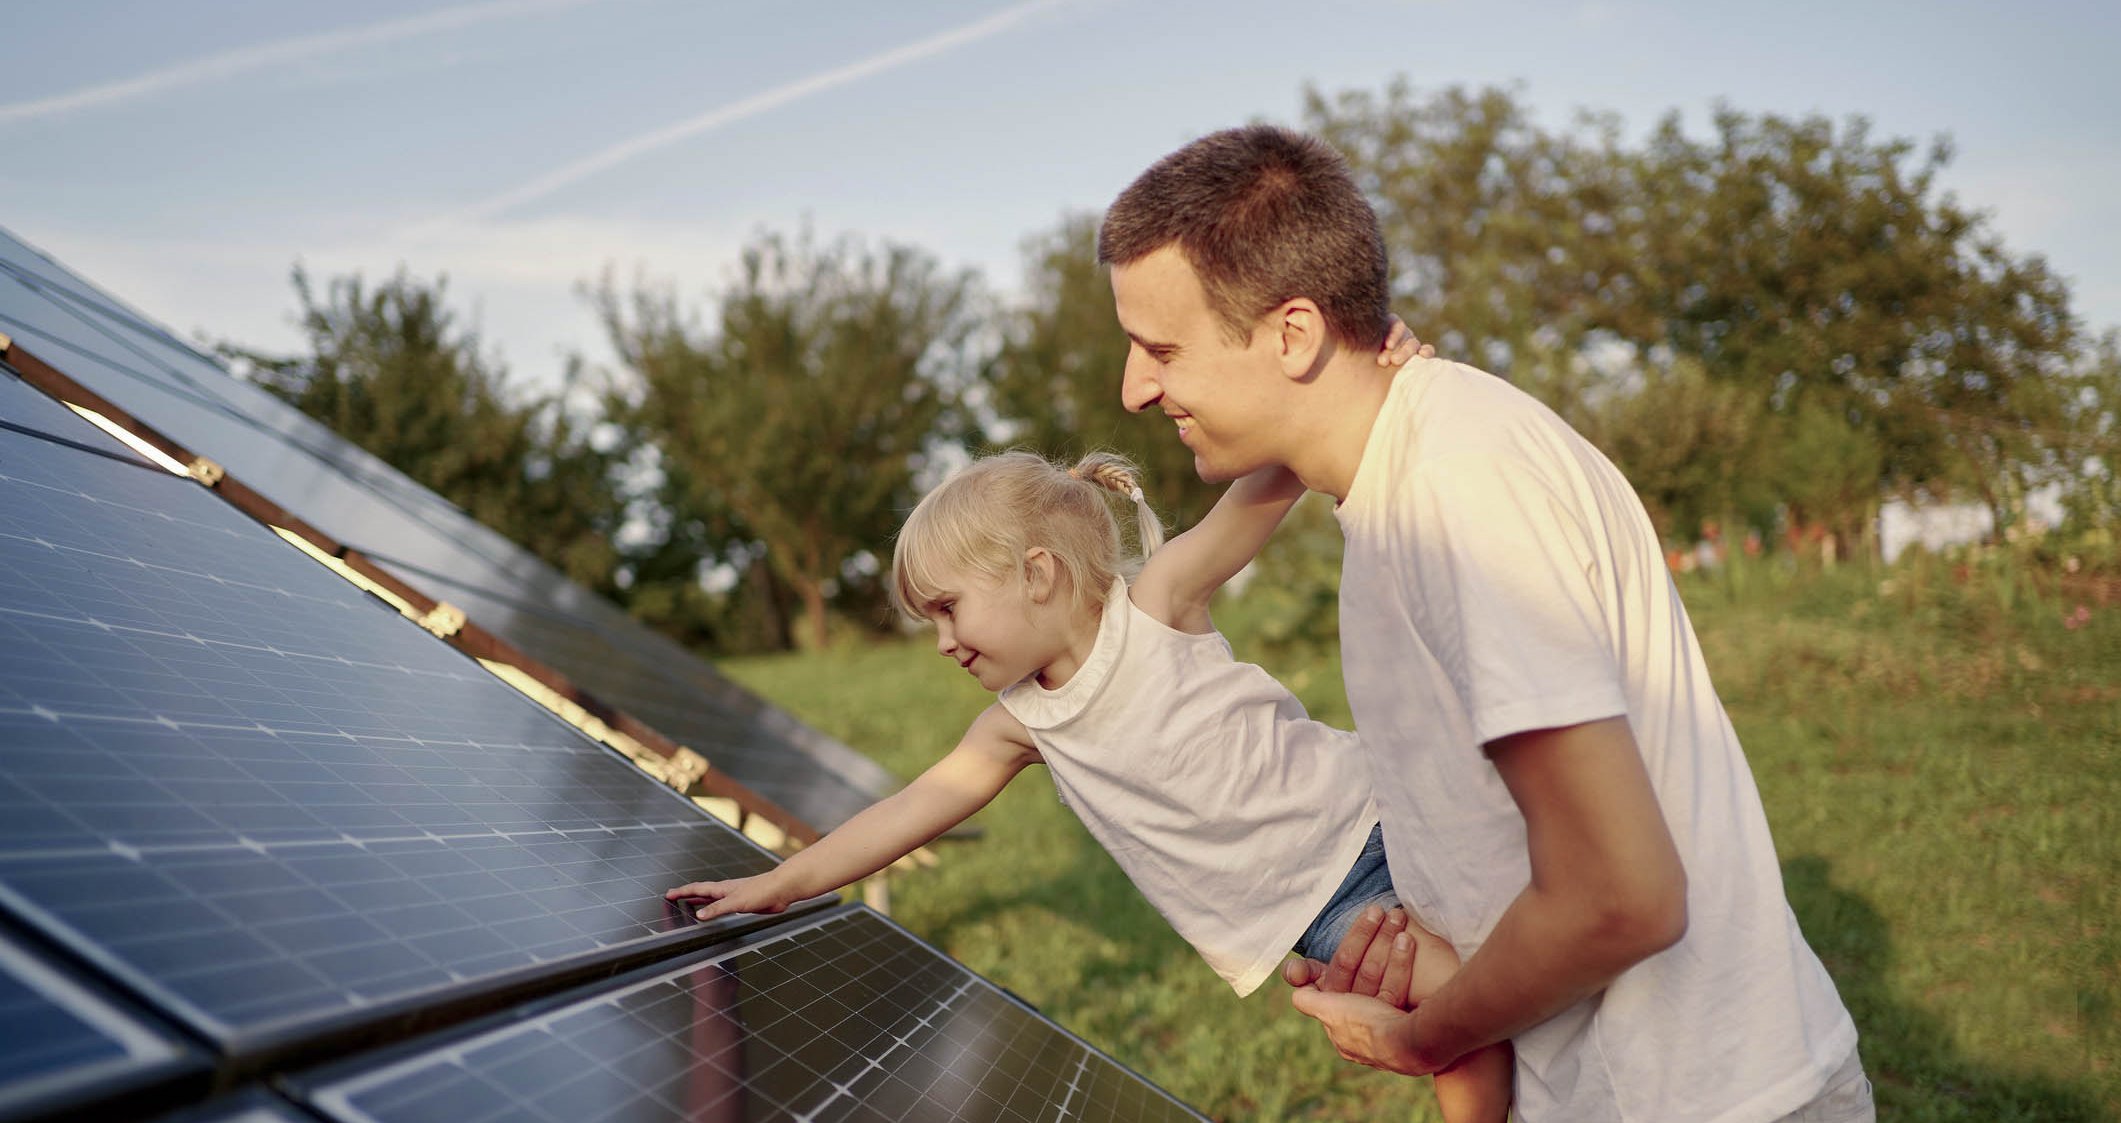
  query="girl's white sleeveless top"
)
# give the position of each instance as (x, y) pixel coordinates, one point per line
(1233, 812)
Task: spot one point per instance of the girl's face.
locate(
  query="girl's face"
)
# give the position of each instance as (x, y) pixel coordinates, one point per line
(996, 628)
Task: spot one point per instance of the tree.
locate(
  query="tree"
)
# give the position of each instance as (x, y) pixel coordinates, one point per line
(1823, 264)
(794, 429)
(1491, 224)
(693, 539)
(2092, 451)
(1691, 445)
(1053, 383)
(388, 369)
(1796, 263)
(1825, 468)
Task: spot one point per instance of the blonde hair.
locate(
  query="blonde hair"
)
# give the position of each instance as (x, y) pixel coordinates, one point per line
(986, 518)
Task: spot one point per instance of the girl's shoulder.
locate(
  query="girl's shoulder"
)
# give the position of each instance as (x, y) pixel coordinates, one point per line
(998, 730)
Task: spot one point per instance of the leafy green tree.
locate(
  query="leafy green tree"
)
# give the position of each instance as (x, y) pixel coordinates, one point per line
(1692, 445)
(1291, 598)
(1825, 467)
(1052, 385)
(794, 428)
(1801, 265)
(388, 368)
(699, 575)
(2092, 451)
(1492, 224)
(1825, 264)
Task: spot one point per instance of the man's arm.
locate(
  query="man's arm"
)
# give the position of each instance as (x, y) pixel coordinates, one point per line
(1607, 891)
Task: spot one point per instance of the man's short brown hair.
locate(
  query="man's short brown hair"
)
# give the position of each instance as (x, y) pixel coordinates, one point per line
(1263, 214)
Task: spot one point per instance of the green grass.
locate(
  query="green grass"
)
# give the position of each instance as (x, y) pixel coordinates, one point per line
(1940, 760)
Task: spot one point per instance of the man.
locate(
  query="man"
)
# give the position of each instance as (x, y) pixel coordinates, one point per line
(1563, 796)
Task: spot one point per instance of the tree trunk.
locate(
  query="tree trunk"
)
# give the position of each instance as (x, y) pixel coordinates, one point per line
(772, 603)
(813, 593)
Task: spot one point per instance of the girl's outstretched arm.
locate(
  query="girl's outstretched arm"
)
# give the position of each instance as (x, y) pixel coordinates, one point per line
(992, 752)
(1180, 579)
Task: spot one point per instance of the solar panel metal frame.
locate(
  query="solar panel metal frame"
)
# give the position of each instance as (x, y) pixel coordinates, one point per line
(253, 1047)
(252, 1104)
(332, 1089)
(843, 780)
(155, 1060)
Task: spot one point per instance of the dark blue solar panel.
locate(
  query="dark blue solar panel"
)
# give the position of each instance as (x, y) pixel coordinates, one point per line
(847, 1018)
(63, 1048)
(354, 497)
(281, 816)
(253, 1105)
(25, 408)
(257, 796)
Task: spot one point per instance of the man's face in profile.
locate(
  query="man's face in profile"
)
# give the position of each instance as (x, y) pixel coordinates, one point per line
(1181, 361)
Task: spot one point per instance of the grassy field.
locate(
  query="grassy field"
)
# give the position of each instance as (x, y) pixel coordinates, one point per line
(1939, 749)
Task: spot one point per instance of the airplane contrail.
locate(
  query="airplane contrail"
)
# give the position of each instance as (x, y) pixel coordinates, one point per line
(736, 111)
(278, 52)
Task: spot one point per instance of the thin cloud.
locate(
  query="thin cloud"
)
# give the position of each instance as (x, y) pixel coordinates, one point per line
(278, 53)
(736, 111)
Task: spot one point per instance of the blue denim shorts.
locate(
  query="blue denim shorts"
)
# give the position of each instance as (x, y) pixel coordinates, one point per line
(1368, 883)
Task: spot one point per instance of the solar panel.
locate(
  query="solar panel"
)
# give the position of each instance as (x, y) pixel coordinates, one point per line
(252, 803)
(63, 1048)
(357, 499)
(651, 678)
(844, 1018)
(28, 410)
(258, 797)
(251, 1106)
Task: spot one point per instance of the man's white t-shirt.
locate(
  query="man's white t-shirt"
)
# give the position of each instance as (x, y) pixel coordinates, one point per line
(1500, 576)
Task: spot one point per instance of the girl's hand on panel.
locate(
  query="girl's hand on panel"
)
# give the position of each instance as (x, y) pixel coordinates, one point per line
(720, 898)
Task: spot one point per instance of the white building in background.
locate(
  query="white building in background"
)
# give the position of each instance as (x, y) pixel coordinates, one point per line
(1935, 526)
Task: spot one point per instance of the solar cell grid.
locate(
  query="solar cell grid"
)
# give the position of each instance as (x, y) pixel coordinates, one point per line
(61, 1045)
(252, 792)
(354, 497)
(645, 675)
(191, 398)
(285, 819)
(848, 1018)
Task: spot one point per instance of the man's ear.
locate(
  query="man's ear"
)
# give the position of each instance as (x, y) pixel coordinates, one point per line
(1302, 339)
(1041, 574)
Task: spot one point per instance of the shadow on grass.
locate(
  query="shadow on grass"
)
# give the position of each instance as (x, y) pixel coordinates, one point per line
(1920, 1075)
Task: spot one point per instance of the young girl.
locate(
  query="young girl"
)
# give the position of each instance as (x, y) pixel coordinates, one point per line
(1248, 825)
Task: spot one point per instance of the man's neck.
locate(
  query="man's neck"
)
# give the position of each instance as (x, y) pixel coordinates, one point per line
(1331, 421)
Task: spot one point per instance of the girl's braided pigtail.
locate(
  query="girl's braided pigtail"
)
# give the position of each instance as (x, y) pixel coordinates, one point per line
(1113, 473)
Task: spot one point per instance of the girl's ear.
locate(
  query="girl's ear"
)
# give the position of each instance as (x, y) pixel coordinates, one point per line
(1041, 574)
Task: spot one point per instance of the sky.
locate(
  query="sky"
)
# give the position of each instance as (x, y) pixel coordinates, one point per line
(186, 154)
